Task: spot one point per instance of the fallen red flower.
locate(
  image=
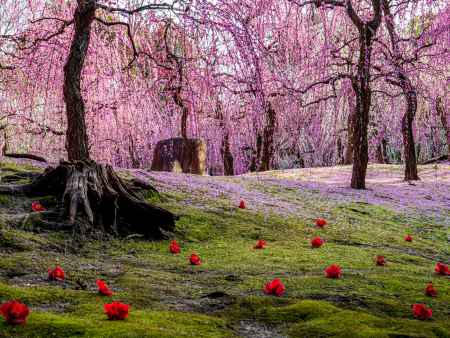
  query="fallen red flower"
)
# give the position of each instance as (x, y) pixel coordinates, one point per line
(320, 222)
(57, 274)
(261, 244)
(14, 312)
(103, 288)
(421, 311)
(408, 238)
(430, 290)
(442, 269)
(37, 207)
(194, 259)
(380, 261)
(333, 271)
(174, 247)
(275, 287)
(317, 242)
(242, 204)
(116, 310)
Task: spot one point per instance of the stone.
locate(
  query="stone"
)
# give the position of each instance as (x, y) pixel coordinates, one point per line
(180, 155)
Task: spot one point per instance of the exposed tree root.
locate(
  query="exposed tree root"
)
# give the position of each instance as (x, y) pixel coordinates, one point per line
(94, 199)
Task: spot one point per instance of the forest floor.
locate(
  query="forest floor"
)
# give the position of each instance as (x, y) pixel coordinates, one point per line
(223, 296)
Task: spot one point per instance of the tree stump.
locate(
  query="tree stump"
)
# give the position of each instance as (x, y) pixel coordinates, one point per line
(94, 199)
(180, 155)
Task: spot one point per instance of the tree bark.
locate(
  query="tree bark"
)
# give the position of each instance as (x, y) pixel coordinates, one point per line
(76, 137)
(268, 139)
(440, 109)
(361, 86)
(410, 94)
(227, 156)
(256, 155)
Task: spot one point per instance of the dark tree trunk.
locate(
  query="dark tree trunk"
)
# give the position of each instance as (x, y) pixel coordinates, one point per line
(76, 137)
(184, 112)
(361, 86)
(444, 120)
(408, 139)
(410, 94)
(256, 156)
(385, 153)
(340, 152)
(94, 199)
(379, 154)
(382, 156)
(267, 141)
(227, 156)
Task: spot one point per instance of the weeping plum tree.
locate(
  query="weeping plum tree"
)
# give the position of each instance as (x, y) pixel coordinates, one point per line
(93, 197)
(250, 50)
(403, 81)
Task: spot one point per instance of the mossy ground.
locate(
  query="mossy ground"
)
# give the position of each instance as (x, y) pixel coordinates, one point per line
(170, 298)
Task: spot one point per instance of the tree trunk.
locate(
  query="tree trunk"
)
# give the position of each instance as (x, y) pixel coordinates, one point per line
(256, 156)
(361, 86)
(76, 137)
(410, 94)
(408, 139)
(444, 119)
(267, 142)
(384, 151)
(340, 151)
(379, 154)
(227, 156)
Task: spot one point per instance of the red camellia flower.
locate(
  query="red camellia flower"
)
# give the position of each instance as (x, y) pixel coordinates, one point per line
(442, 269)
(194, 259)
(408, 238)
(103, 288)
(275, 287)
(421, 311)
(174, 247)
(380, 260)
(14, 312)
(261, 244)
(242, 204)
(57, 274)
(116, 310)
(320, 222)
(317, 242)
(333, 271)
(430, 290)
(37, 207)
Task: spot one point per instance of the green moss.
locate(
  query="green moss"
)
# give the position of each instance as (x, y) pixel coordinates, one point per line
(138, 324)
(5, 200)
(368, 301)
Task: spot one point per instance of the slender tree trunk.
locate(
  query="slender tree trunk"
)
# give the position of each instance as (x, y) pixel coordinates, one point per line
(340, 151)
(444, 119)
(267, 142)
(408, 138)
(256, 156)
(76, 137)
(227, 156)
(410, 94)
